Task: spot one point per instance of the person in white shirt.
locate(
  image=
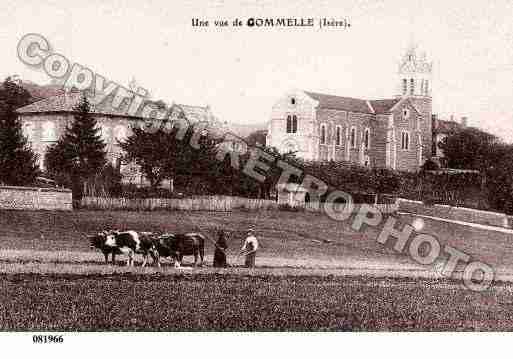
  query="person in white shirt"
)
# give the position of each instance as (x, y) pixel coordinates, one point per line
(249, 249)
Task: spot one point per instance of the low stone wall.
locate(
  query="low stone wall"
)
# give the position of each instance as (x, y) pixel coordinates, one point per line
(455, 213)
(34, 198)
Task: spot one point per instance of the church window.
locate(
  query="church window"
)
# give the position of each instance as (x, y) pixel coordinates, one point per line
(338, 136)
(352, 139)
(292, 101)
(412, 86)
(366, 138)
(49, 132)
(291, 124)
(405, 140)
(323, 134)
(405, 86)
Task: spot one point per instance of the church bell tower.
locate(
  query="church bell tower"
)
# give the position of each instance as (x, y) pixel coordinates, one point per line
(414, 77)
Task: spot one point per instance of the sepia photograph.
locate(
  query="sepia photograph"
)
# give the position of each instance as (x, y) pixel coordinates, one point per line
(255, 168)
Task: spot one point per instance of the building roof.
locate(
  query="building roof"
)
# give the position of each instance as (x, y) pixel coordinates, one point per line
(66, 102)
(375, 107)
(383, 106)
(341, 103)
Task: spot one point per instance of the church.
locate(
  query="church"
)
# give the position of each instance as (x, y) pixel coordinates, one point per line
(394, 133)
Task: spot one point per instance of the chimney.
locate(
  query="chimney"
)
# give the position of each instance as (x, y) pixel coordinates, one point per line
(464, 121)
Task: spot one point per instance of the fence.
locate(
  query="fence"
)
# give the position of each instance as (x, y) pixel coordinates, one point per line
(207, 203)
(210, 203)
(35, 198)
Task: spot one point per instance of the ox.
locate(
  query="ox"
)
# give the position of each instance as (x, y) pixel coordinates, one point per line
(178, 245)
(128, 243)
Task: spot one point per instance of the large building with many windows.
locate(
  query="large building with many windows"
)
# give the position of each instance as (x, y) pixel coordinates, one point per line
(394, 133)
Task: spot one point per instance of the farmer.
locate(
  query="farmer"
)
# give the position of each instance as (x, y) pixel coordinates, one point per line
(220, 252)
(249, 249)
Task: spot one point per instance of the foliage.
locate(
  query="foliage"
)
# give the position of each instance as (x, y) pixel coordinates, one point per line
(470, 148)
(17, 161)
(79, 155)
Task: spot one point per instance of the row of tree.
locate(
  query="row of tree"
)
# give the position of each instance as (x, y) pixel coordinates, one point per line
(80, 157)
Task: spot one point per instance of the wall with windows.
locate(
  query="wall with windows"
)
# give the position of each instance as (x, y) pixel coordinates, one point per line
(43, 130)
(352, 128)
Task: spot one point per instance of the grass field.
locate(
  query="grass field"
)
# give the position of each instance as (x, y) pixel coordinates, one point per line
(230, 302)
(296, 235)
(77, 292)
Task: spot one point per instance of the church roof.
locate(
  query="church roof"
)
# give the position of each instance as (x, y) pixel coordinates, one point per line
(340, 103)
(383, 106)
(353, 104)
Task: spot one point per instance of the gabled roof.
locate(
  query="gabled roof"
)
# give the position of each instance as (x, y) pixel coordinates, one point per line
(383, 106)
(340, 103)
(66, 102)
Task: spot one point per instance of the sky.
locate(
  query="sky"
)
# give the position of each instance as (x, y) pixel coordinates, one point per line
(241, 72)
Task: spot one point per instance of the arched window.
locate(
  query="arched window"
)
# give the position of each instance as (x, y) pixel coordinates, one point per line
(323, 134)
(294, 124)
(405, 86)
(366, 139)
(405, 140)
(292, 101)
(352, 138)
(49, 133)
(289, 124)
(338, 136)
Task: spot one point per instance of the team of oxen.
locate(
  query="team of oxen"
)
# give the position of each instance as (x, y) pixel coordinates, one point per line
(157, 246)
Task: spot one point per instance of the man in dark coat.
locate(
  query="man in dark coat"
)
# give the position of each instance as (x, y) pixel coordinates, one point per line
(220, 252)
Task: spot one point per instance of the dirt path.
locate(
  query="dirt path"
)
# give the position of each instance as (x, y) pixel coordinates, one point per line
(71, 262)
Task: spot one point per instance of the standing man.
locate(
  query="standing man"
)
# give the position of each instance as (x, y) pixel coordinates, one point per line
(249, 249)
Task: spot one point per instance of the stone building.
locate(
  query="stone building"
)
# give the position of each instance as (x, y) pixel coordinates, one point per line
(394, 133)
(43, 122)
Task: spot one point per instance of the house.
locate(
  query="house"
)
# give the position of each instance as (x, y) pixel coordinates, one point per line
(44, 121)
(395, 133)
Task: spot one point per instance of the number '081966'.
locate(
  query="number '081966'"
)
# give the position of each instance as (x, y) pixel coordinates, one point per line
(47, 339)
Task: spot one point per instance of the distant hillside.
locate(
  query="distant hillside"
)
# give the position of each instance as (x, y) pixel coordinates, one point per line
(243, 130)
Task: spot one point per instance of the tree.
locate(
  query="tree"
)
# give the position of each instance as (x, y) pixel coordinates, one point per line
(17, 161)
(161, 155)
(470, 148)
(79, 155)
